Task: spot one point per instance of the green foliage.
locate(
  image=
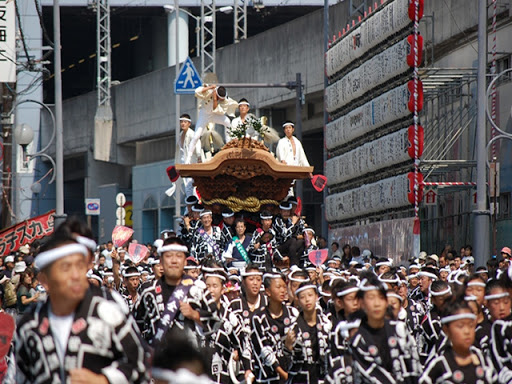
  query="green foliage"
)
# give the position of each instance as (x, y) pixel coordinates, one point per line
(251, 123)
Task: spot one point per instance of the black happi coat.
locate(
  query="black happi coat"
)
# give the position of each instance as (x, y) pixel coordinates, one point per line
(241, 309)
(309, 355)
(390, 360)
(150, 308)
(267, 338)
(102, 339)
(444, 370)
(222, 340)
(501, 348)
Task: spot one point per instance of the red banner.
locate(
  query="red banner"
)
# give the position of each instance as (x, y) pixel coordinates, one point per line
(12, 238)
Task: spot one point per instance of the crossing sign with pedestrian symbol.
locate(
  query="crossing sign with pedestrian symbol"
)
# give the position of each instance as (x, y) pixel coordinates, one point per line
(188, 79)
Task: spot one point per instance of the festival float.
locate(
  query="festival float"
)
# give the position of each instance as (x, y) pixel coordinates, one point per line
(244, 175)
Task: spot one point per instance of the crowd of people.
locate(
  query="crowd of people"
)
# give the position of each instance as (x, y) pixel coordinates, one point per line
(214, 304)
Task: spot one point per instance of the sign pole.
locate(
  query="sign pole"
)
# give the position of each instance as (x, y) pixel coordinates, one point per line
(177, 196)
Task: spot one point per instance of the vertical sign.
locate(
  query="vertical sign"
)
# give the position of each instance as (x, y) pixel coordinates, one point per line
(7, 42)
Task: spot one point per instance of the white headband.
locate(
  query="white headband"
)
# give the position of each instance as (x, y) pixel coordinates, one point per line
(228, 214)
(325, 294)
(91, 275)
(476, 284)
(291, 278)
(288, 123)
(212, 270)
(470, 298)
(244, 103)
(396, 280)
(185, 119)
(366, 288)
(46, 258)
(382, 263)
(396, 296)
(347, 291)
(272, 276)
(218, 275)
(460, 316)
(89, 243)
(482, 271)
(205, 213)
(253, 273)
(172, 247)
(496, 296)
(133, 274)
(427, 274)
(301, 289)
(441, 293)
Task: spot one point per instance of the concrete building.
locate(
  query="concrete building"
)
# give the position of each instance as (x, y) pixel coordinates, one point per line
(143, 106)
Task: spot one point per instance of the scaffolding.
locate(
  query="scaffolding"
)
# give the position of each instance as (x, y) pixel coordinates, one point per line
(448, 118)
(208, 43)
(103, 51)
(240, 20)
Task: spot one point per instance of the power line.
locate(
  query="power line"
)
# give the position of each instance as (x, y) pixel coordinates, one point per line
(18, 16)
(41, 23)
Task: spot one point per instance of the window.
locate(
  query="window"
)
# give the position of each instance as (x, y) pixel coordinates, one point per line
(504, 208)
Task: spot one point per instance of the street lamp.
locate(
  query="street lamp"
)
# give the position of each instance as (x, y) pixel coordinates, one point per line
(170, 8)
(24, 134)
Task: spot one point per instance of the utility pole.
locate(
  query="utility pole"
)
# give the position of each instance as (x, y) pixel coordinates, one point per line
(298, 124)
(177, 195)
(326, 114)
(481, 246)
(59, 144)
(7, 123)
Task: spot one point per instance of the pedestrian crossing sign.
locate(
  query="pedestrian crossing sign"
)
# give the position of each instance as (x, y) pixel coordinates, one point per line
(188, 79)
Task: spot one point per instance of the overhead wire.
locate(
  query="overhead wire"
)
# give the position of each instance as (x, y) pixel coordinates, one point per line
(24, 43)
(41, 23)
(459, 28)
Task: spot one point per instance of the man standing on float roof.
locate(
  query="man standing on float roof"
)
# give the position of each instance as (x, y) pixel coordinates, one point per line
(289, 149)
(243, 108)
(184, 147)
(214, 105)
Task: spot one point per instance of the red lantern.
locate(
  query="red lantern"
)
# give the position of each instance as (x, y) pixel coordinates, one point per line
(412, 9)
(410, 192)
(411, 85)
(421, 138)
(415, 42)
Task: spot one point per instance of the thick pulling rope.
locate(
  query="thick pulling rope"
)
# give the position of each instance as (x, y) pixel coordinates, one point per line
(251, 204)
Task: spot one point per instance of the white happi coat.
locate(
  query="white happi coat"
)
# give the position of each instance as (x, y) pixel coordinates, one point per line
(284, 151)
(197, 154)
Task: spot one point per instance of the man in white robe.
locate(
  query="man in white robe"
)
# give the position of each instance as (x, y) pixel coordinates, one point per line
(214, 105)
(289, 149)
(184, 147)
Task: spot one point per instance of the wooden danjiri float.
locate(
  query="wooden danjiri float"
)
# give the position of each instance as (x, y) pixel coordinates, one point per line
(244, 176)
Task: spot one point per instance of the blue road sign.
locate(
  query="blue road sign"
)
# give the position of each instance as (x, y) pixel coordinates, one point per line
(188, 79)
